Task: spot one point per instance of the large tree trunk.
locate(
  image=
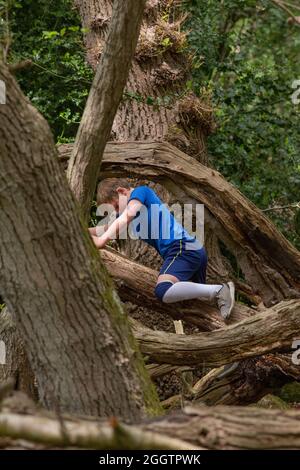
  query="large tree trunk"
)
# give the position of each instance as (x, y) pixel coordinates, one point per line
(155, 106)
(103, 101)
(77, 336)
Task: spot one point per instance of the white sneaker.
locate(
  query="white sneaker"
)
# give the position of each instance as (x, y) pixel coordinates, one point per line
(225, 299)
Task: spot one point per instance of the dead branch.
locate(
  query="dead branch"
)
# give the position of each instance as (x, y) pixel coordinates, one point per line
(242, 385)
(221, 427)
(269, 331)
(226, 427)
(85, 434)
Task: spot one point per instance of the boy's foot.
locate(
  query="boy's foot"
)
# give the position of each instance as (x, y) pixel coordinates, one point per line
(225, 299)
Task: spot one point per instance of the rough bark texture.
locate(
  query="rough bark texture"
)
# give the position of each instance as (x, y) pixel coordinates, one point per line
(17, 366)
(156, 104)
(269, 263)
(104, 98)
(272, 330)
(83, 434)
(221, 427)
(75, 331)
(224, 427)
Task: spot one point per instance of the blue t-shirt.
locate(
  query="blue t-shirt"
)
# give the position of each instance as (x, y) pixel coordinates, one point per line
(154, 223)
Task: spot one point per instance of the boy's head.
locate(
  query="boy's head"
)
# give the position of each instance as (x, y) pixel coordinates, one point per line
(114, 191)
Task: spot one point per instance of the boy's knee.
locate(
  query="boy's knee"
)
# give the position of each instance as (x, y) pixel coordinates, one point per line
(162, 288)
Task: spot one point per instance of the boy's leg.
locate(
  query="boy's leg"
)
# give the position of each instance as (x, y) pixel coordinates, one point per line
(176, 291)
(174, 285)
(169, 292)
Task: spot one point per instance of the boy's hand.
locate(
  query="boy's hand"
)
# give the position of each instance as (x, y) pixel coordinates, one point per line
(99, 242)
(117, 226)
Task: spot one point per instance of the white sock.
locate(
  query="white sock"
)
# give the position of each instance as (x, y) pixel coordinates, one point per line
(191, 290)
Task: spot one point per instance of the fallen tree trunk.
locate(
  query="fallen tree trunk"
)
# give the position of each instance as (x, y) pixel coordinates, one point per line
(224, 427)
(269, 331)
(85, 434)
(220, 427)
(247, 384)
(270, 264)
(158, 370)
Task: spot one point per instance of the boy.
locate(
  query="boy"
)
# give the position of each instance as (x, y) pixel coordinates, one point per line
(183, 272)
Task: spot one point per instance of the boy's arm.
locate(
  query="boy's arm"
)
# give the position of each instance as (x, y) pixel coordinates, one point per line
(119, 224)
(93, 230)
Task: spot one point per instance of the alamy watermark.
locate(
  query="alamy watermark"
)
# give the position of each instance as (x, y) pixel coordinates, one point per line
(2, 353)
(156, 222)
(296, 354)
(2, 92)
(296, 94)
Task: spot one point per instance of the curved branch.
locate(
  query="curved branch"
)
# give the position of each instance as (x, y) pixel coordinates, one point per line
(270, 264)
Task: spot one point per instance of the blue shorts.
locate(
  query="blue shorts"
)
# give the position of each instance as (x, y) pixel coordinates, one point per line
(185, 264)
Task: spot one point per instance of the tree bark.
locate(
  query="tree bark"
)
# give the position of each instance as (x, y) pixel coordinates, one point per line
(17, 366)
(272, 330)
(270, 264)
(74, 328)
(226, 427)
(103, 101)
(220, 427)
(85, 434)
(157, 104)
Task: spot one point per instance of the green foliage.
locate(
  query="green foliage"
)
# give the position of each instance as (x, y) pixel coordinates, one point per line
(272, 402)
(247, 54)
(290, 392)
(49, 33)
